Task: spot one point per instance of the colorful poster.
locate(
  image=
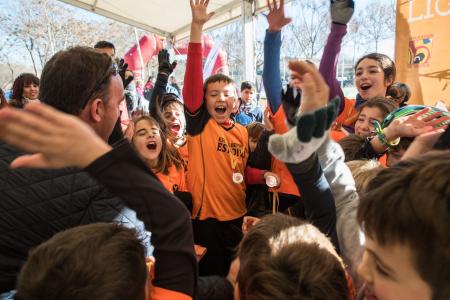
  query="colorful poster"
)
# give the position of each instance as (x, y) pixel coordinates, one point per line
(422, 49)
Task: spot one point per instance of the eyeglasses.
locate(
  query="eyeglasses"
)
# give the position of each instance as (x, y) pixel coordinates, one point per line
(113, 69)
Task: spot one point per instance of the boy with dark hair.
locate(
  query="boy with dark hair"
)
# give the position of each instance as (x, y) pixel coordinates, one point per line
(249, 110)
(106, 47)
(406, 219)
(97, 261)
(218, 152)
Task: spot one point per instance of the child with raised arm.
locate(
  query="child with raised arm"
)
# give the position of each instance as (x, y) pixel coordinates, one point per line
(218, 151)
(288, 191)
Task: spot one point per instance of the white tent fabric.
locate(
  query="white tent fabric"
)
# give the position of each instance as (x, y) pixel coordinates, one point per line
(169, 18)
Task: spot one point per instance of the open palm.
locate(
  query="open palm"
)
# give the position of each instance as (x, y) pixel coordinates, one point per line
(199, 11)
(276, 17)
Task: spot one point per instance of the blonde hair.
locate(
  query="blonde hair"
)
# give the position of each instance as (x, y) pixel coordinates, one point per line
(363, 172)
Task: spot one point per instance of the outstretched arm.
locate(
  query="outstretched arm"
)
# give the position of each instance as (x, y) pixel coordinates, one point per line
(272, 46)
(193, 77)
(341, 13)
(165, 68)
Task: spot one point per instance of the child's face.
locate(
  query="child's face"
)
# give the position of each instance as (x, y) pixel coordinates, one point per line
(369, 79)
(394, 156)
(147, 140)
(247, 95)
(389, 273)
(175, 121)
(364, 124)
(220, 100)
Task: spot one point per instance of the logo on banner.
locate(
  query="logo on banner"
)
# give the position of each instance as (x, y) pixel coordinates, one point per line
(420, 51)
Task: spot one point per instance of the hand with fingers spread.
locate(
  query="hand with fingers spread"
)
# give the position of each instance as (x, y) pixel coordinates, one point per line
(44, 131)
(414, 125)
(199, 12)
(164, 65)
(276, 17)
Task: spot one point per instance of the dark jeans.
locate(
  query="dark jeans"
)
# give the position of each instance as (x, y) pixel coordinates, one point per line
(220, 239)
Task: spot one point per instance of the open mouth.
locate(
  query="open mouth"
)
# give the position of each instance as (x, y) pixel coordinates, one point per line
(151, 146)
(220, 110)
(175, 127)
(365, 86)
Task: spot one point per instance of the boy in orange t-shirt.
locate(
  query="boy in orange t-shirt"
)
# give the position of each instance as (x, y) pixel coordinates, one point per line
(218, 152)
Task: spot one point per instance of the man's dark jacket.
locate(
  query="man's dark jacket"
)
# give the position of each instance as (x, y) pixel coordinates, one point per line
(36, 204)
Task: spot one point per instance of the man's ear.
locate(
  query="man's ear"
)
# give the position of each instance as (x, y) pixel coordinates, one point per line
(96, 110)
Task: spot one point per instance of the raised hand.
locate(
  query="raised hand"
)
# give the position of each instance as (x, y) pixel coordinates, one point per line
(199, 14)
(414, 125)
(341, 11)
(276, 17)
(315, 91)
(56, 139)
(122, 71)
(164, 65)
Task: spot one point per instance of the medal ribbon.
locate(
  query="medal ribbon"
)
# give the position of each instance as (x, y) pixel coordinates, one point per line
(275, 202)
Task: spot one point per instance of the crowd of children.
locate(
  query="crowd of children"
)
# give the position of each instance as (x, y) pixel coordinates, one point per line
(316, 196)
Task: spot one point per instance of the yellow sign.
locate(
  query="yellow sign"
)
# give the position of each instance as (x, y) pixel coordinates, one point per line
(422, 49)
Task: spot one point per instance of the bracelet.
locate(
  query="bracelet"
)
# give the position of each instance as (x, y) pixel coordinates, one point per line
(382, 136)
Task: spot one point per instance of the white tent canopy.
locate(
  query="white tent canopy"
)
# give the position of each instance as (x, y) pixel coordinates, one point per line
(169, 18)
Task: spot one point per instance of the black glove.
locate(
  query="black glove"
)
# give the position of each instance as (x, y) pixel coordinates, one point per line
(341, 11)
(290, 104)
(164, 65)
(122, 70)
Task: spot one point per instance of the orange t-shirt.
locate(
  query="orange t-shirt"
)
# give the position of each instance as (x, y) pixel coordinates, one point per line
(349, 115)
(175, 180)
(209, 171)
(184, 152)
(288, 185)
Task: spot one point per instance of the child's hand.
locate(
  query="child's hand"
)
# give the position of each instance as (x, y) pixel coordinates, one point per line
(164, 65)
(342, 11)
(315, 92)
(129, 132)
(414, 125)
(199, 14)
(276, 17)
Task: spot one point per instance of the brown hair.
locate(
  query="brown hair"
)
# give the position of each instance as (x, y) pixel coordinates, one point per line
(168, 155)
(215, 78)
(409, 204)
(255, 130)
(73, 77)
(20, 82)
(363, 172)
(352, 145)
(385, 105)
(97, 261)
(285, 258)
